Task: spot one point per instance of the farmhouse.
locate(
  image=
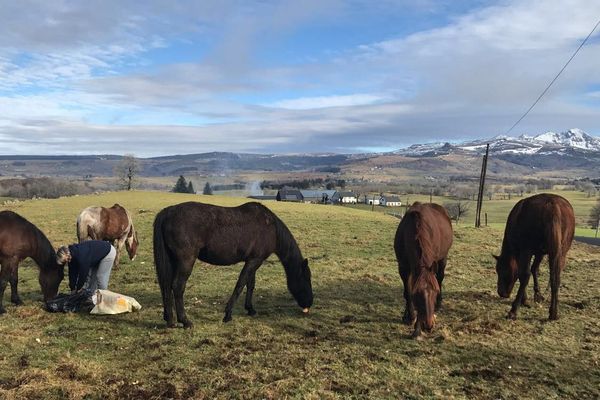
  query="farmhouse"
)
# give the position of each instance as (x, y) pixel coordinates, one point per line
(390, 201)
(372, 201)
(346, 198)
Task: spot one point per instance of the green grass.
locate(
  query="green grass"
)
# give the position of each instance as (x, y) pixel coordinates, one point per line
(351, 345)
(498, 210)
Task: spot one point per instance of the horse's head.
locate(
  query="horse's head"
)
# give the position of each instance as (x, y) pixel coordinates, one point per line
(53, 272)
(131, 244)
(300, 285)
(425, 290)
(506, 268)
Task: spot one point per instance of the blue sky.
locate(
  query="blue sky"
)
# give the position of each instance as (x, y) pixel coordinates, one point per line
(287, 76)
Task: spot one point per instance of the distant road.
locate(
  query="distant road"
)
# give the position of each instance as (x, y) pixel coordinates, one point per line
(588, 240)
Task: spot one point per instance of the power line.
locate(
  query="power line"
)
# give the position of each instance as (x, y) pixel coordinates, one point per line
(555, 78)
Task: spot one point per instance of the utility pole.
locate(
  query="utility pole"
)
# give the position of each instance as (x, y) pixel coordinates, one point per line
(431, 196)
(481, 187)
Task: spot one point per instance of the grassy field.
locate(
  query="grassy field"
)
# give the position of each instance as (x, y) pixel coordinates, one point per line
(351, 345)
(498, 210)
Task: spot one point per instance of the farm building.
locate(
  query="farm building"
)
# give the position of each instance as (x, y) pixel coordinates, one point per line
(287, 194)
(317, 196)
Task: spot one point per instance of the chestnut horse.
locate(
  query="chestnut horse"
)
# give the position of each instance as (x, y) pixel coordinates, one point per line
(536, 226)
(113, 224)
(422, 242)
(223, 236)
(20, 239)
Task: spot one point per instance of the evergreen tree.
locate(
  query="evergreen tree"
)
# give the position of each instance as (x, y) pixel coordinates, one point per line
(190, 188)
(181, 185)
(207, 189)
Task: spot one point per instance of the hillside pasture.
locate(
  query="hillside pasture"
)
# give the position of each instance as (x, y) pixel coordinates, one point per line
(498, 209)
(351, 345)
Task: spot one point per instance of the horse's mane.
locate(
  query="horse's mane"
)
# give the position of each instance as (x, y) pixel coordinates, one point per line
(424, 244)
(45, 253)
(426, 278)
(286, 247)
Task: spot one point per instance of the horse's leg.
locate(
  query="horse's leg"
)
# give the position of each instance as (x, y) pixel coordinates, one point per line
(179, 281)
(239, 286)
(557, 263)
(441, 267)
(250, 290)
(535, 270)
(118, 245)
(4, 276)
(409, 310)
(524, 274)
(14, 280)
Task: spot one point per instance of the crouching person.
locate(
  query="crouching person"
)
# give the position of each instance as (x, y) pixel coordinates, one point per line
(90, 264)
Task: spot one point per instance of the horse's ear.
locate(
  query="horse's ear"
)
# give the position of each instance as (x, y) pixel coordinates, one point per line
(496, 257)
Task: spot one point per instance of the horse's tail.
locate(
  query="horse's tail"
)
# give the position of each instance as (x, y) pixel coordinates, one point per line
(557, 236)
(162, 259)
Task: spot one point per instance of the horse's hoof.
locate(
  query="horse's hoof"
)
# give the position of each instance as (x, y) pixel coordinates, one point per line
(525, 304)
(553, 317)
(226, 318)
(538, 298)
(417, 335)
(171, 324)
(17, 302)
(188, 325)
(512, 315)
(252, 312)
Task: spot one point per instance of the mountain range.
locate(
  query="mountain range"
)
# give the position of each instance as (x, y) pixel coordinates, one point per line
(548, 143)
(572, 153)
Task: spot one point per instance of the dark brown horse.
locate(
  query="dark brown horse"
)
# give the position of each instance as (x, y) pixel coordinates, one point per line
(536, 226)
(20, 239)
(422, 242)
(113, 224)
(223, 236)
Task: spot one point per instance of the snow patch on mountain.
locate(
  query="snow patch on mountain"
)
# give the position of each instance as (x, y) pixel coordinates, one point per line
(545, 143)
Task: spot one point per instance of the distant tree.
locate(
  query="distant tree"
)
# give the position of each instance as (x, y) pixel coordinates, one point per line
(594, 216)
(330, 186)
(207, 189)
(127, 170)
(457, 209)
(181, 185)
(190, 188)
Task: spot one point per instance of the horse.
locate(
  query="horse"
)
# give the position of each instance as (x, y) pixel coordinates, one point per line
(422, 242)
(20, 239)
(113, 224)
(224, 236)
(536, 226)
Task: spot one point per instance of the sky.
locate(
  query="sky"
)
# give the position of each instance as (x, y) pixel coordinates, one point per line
(321, 76)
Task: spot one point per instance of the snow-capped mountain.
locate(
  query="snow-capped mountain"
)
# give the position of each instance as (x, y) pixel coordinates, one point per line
(549, 143)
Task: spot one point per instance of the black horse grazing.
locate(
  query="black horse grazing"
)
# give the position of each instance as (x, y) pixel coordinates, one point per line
(422, 242)
(20, 239)
(538, 225)
(223, 236)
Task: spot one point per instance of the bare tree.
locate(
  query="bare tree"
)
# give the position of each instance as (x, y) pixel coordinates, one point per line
(457, 209)
(127, 171)
(594, 216)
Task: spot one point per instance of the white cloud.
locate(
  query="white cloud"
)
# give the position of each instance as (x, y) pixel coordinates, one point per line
(307, 103)
(472, 77)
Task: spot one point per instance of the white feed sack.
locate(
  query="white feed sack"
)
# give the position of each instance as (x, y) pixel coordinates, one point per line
(107, 302)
